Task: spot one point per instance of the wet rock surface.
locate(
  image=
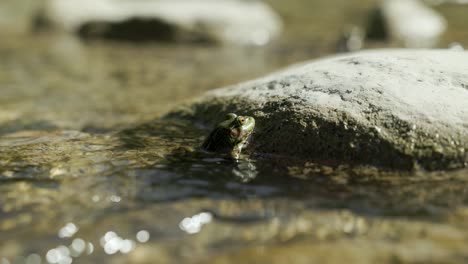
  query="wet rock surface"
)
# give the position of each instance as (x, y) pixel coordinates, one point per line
(393, 108)
(228, 21)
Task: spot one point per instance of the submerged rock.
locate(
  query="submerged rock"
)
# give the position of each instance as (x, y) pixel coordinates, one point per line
(408, 22)
(393, 108)
(230, 21)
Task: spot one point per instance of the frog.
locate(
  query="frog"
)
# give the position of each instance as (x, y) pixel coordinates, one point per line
(230, 136)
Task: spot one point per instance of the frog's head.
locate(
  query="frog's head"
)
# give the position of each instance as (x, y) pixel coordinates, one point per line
(241, 127)
(230, 135)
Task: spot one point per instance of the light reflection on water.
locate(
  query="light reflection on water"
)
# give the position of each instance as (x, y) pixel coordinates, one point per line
(143, 236)
(111, 243)
(68, 230)
(193, 225)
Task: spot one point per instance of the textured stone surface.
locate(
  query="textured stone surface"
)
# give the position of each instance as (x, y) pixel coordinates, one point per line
(231, 21)
(393, 108)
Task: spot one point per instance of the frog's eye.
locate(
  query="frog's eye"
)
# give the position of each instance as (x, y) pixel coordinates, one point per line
(241, 120)
(235, 133)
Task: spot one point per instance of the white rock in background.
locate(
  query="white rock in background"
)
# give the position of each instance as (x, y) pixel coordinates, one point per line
(413, 23)
(229, 21)
(455, 46)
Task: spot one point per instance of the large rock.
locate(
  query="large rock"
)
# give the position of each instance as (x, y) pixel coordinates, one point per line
(231, 21)
(394, 108)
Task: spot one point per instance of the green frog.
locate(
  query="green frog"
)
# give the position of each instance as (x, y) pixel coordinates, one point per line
(230, 135)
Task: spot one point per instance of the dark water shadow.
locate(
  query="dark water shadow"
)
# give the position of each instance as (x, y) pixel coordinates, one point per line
(376, 27)
(18, 125)
(129, 30)
(139, 30)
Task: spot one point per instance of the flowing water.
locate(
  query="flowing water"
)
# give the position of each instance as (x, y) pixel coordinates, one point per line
(91, 172)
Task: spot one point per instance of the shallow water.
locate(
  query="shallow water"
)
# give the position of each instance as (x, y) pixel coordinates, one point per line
(90, 172)
(150, 178)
